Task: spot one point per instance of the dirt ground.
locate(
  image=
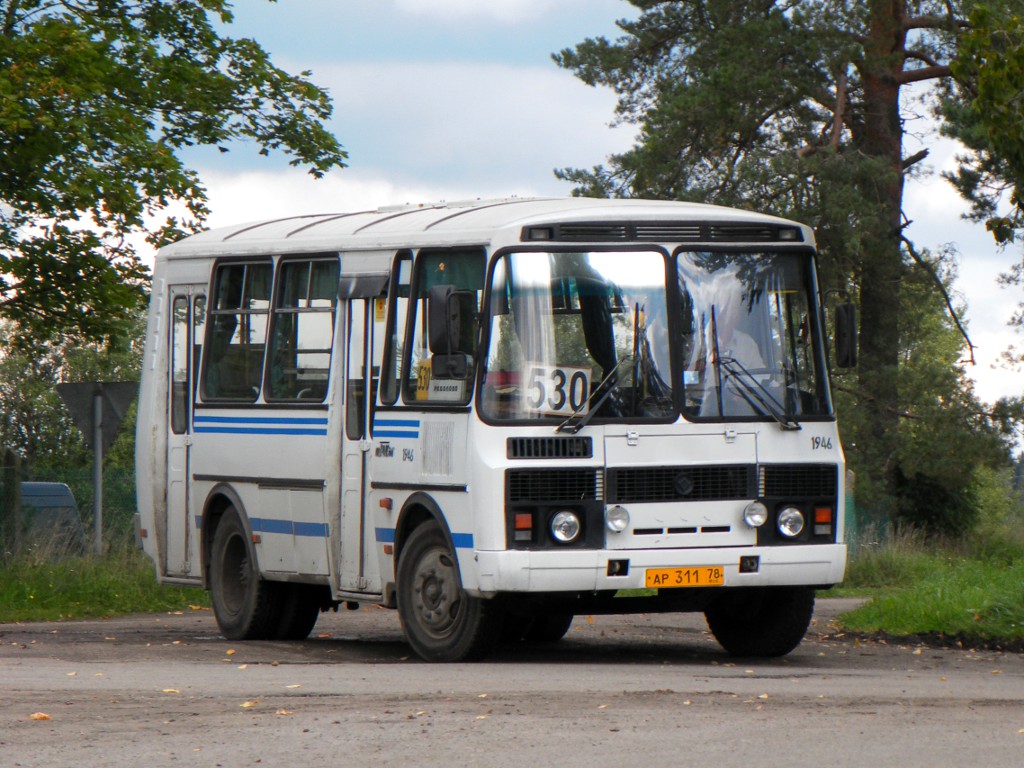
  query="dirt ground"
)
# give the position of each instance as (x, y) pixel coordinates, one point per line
(648, 690)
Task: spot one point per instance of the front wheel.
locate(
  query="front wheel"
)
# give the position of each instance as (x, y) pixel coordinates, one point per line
(762, 622)
(440, 621)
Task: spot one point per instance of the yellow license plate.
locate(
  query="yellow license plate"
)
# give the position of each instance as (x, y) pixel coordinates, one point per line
(664, 578)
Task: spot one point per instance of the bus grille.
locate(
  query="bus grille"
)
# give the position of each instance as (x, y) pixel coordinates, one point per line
(799, 480)
(553, 485)
(704, 483)
(550, 448)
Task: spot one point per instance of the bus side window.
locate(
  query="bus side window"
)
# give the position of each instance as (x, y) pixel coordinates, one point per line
(198, 335)
(390, 373)
(463, 270)
(238, 331)
(303, 330)
(179, 365)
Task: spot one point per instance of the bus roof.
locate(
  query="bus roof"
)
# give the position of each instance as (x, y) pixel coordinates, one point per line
(477, 222)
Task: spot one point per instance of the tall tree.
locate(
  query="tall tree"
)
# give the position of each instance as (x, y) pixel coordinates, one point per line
(34, 422)
(799, 108)
(97, 100)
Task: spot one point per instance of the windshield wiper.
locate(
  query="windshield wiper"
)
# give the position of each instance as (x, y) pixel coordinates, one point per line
(748, 387)
(756, 395)
(570, 424)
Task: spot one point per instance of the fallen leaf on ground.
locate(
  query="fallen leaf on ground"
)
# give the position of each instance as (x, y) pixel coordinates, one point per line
(39, 716)
(249, 704)
(170, 690)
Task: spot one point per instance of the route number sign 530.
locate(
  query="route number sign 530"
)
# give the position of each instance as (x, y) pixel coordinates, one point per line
(557, 390)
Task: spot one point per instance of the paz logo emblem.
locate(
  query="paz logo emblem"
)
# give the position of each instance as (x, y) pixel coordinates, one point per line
(683, 484)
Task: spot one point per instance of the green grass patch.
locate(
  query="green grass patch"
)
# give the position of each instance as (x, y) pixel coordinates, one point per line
(86, 587)
(971, 591)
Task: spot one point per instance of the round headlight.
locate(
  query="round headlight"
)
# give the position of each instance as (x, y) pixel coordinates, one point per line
(790, 522)
(617, 519)
(565, 526)
(755, 514)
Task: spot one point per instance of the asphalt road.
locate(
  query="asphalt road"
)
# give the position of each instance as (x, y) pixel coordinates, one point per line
(629, 692)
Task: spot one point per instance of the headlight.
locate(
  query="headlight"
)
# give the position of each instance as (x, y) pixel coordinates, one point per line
(617, 519)
(755, 514)
(565, 526)
(790, 522)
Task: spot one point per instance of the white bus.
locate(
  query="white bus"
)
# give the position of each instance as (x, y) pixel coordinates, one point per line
(494, 416)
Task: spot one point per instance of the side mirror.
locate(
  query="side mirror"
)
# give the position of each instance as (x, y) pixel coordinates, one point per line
(846, 335)
(450, 330)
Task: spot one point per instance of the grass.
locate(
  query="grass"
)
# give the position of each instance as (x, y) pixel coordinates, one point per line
(970, 592)
(34, 588)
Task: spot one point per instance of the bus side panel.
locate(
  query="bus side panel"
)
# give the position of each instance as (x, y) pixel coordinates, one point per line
(426, 451)
(279, 477)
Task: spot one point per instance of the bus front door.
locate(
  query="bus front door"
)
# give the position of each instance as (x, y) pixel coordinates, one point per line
(358, 573)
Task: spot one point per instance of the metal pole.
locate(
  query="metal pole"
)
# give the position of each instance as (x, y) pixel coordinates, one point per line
(97, 471)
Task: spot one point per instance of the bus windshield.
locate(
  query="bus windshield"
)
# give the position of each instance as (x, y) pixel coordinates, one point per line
(752, 346)
(575, 336)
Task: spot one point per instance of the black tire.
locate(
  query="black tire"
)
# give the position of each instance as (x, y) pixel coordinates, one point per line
(763, 622)
(246, 606)
(440, 621)
(300, 609)
(548, 628)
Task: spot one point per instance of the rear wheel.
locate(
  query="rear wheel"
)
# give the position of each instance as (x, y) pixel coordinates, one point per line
(441, 622)
(761, 622)
(247, 607)
(300, 608)
(549, 628)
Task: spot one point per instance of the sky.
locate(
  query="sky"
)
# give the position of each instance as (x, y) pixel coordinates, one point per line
(460, 99)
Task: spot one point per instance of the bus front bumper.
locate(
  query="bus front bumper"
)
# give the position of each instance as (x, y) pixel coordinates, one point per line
(600, 570)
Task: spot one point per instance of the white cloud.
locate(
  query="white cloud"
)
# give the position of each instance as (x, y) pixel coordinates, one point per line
(492, 125)
(255, 195)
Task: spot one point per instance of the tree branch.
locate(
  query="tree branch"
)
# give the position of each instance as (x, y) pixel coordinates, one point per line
(945, 294)
(934, 21)
(923, 73)
(914, 159)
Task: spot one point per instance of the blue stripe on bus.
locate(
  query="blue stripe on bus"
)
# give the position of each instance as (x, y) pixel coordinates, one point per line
(261, 420)
(272, 525)
(459, 540)
(289, 528)
(397, 429)
(257, 431)
(260, 425)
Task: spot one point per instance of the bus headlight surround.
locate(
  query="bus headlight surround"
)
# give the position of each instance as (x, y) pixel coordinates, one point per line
(617, 519)
(790, 522)
(566, 526)
(755, 514)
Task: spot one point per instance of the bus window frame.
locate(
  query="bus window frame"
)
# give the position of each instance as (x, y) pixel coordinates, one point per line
(413, 316)
(212, 312)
